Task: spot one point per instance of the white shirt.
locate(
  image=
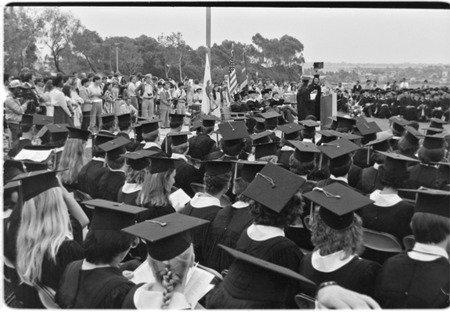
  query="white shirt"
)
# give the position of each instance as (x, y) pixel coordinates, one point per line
(202, 200)
(329, 263)
(425, 252)
(339, 178)
(384, 200)
(259, 232)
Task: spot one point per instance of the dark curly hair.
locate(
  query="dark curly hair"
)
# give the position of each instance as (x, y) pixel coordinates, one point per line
(288, 215)
(300, 168)
(406, 148)
(430, 155)
(215, 184)
(329, 240)
(391, 179)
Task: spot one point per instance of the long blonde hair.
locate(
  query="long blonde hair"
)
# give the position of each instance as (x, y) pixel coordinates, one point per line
(44, 226)
(170, 273)
(154, 189)
(72, 158)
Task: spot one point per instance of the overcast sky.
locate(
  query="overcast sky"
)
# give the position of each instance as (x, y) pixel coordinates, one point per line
(330, 35)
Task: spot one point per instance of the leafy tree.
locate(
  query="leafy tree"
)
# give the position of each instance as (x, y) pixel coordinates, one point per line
(174, 49)
(89, 45)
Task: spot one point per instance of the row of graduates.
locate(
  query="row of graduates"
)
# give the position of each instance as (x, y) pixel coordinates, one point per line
(412, 104)
(261, 233)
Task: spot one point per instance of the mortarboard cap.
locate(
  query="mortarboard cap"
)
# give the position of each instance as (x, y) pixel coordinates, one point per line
(345, 123)
(337, 202)
(270, 115)
(437, 123)
(412, 135)
(307, 123)
(434, 141)
(196, 125)
(138, 160)
(11, 168)
(176, 118)
(260, 124)
(109, 215)
(42, 120)
(432, 131)
(103, 138)
(162, 164)
(57, 131)
(150, 126)
(271, 119)
(266, 149)
(115, 147)
(327, 135)
(108, 118)
(304, 151)
(396, 164)
(367, 128)
(338, 148)
(179, 138)
(380, 144)
(124, 120)
(348, 136)
(431, 201)
(218, 167)
(291, 130)
(27, 120)
(76, 133)
(167, 236)
(209, 121)
(261, 137)
(233, 130)
(273, 187)
(249, 169)
(37, 182)
(398, 123)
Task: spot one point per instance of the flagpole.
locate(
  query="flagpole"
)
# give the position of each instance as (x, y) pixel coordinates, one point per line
(208, 31)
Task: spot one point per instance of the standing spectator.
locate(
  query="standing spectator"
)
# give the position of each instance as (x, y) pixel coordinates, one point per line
(49, 109)
(147, 92)
(404, 84)
(86, 106)
(95, 95)
(62, 113)
(14, 110)
(108, 99)
(115, 93)
(132, 91)
(165, 105)
(72, 105)
(180, 96)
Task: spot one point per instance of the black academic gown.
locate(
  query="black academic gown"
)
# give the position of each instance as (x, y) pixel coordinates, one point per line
(99, 288)
(303, 99)
(200, 146)
(185, 175)
(358, 275)
(128, 195)
(18, 147)
(155, 211)
(419, 175)
(89, 177)
(110, 184)
(405, 283)
(370, 180)
(225, 229)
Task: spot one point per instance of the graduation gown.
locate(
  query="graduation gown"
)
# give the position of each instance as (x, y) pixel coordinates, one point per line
(89, 177)
(129, 193)
(405, 283)
(360, 158)
(358, 275)
(419, 175)
(110, 184)
(200, 146)
(154, 211)
(152, 146)
(206, 207)
(98, 288)
(370, 180)
(225, 229)
(186, 174)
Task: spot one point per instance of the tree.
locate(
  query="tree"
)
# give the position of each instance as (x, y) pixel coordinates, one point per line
(174, 48)
(20, 29)
(57, 31)
(130, 60)
(90, 46)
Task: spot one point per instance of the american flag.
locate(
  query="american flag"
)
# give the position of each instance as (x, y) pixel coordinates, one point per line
(233, 80)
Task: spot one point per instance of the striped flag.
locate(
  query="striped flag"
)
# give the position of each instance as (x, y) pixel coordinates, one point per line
(232, 80)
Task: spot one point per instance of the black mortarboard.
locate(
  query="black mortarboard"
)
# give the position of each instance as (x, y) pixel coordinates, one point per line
(27, 120)
(196, 125)
(11, 168)
(76, 133)
(138, 131)
(176, 118)
(217, 167)
(179, 138)
(304, 151)
(266, 149)
(434, 141)
(138, 160)
(209, 121)
(327, 135)
(273, 187)
(260, 124)
(115, 148)
(308, 123)
(380, 144)
(291, 130)
(432, 131)
(150, 126)
(42, 120)
(249, 169)
(396, 164)
(398, 123)
(412, 135)
(37, 182)
(108, 118)
(367, 128)
(162, 164)
(112, 216)
(337, 202)
(233, 130)
(338, 151)
(437, 123)
(102, 138)
(165, 242)
(348, 136)
(124, 120)
(261, 137)
(269, 266)
(57, 131)
(271, 119)
(345, 123)
(431, 201)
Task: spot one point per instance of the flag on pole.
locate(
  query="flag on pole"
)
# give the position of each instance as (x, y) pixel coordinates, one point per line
(232, 80)
(244, 83)
(208, 105)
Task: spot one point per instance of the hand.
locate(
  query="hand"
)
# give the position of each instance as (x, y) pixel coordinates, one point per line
(337, 297)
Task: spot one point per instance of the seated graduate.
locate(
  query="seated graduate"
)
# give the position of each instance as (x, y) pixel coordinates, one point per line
(289, 131)
(277, 204)
(249, 284)
(202, 144)
(170, 256)
(176, 124)
(97, 281)
(112, 181)
(108, 124)
(338, 239)
(72, 158)
(207, 204)
(233, 135)
(368, 131)
(231, 221)
(41, 255)
(266, 152)
(420, 278)
(308, 132)
(408, 145)
(137, 163)
(156, 188)
(150, 135)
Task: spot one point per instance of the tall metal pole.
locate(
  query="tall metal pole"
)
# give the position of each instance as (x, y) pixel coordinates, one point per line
(208, 31)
